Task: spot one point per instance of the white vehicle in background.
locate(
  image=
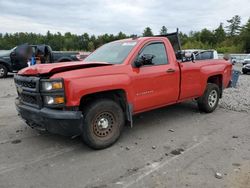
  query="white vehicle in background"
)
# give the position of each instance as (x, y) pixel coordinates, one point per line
(246, 60)
(200, 54)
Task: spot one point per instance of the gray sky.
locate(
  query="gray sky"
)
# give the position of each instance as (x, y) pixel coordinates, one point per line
(112, 16)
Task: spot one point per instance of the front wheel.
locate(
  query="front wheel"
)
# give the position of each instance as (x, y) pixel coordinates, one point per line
(209, 101)
(103, 123)
(3, 71)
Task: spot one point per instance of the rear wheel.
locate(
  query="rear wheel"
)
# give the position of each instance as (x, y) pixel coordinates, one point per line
(103, 123)
(209, 101)
(3, 71)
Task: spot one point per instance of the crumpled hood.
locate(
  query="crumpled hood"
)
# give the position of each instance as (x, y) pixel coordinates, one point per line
(49, 69)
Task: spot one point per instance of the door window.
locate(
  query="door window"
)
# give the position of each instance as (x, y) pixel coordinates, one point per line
(159, 52)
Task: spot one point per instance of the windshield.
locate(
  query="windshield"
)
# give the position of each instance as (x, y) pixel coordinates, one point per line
(113, 53)
(248, 57)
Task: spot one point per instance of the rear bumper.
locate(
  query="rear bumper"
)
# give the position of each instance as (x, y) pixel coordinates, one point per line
(67, 123)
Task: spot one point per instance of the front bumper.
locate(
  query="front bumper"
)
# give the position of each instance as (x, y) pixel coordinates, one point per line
(67, 123)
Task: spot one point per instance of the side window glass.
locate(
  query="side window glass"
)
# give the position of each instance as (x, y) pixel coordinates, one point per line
(204, 55)
(159, 52)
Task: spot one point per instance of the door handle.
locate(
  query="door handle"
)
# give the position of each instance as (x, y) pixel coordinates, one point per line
(170, 70)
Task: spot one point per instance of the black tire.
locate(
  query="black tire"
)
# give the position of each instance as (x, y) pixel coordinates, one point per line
(3, 71)
(103, 123)
(244, 72)
(209, 101)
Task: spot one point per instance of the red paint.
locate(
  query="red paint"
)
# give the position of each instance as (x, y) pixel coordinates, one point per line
(147, 87)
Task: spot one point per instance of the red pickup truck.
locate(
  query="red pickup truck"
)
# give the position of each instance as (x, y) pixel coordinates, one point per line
(96, 97)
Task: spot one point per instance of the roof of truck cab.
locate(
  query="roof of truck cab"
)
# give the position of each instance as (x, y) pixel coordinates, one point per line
(138, 39)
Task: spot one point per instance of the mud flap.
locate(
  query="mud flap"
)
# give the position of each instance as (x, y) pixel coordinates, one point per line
(129, 114)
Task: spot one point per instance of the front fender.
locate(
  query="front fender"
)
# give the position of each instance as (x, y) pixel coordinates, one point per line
(77, 88)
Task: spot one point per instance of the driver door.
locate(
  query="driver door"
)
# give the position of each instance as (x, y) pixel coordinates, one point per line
(156, 84)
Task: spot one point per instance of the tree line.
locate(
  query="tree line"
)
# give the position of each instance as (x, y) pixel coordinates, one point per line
(233, 38)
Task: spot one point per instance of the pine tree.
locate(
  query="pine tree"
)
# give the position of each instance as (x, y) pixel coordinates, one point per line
(163, 31)
(147, 32)
(91, 46)
(245, 37)
(121, 35)
(234, 26)
(207, 37)
(220, 34)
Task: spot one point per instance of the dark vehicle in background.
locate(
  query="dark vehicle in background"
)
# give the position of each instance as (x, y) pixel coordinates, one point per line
(246, 60)
(246, 68)
(17, 58)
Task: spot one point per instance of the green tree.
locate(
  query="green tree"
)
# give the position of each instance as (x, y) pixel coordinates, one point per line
(206, 36)
(121, 35)
(91, 46)
(163, 30)
(194, 35)
(237, 38)
(68, 41)
(245, 37)
(147, 32)
(234, 25)
(219, 34)
(183, 38)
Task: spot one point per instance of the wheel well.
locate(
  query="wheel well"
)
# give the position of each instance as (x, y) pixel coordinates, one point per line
(216, 79)
(117, 95)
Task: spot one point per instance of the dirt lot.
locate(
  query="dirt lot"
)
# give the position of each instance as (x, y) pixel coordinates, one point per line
(171, 147)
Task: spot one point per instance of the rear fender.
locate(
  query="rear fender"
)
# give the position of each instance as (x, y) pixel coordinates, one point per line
(213, 74)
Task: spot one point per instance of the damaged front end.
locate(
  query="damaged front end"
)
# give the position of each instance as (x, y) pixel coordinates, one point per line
(41, 102)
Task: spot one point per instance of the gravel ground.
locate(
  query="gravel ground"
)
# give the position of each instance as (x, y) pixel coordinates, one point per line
(237, 99)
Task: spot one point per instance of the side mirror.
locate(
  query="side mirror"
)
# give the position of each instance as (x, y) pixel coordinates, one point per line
(179, 55)
(145, 59)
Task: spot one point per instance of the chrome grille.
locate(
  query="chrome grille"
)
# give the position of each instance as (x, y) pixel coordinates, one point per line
(28, 90)
(26, 84)
(28, 98)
